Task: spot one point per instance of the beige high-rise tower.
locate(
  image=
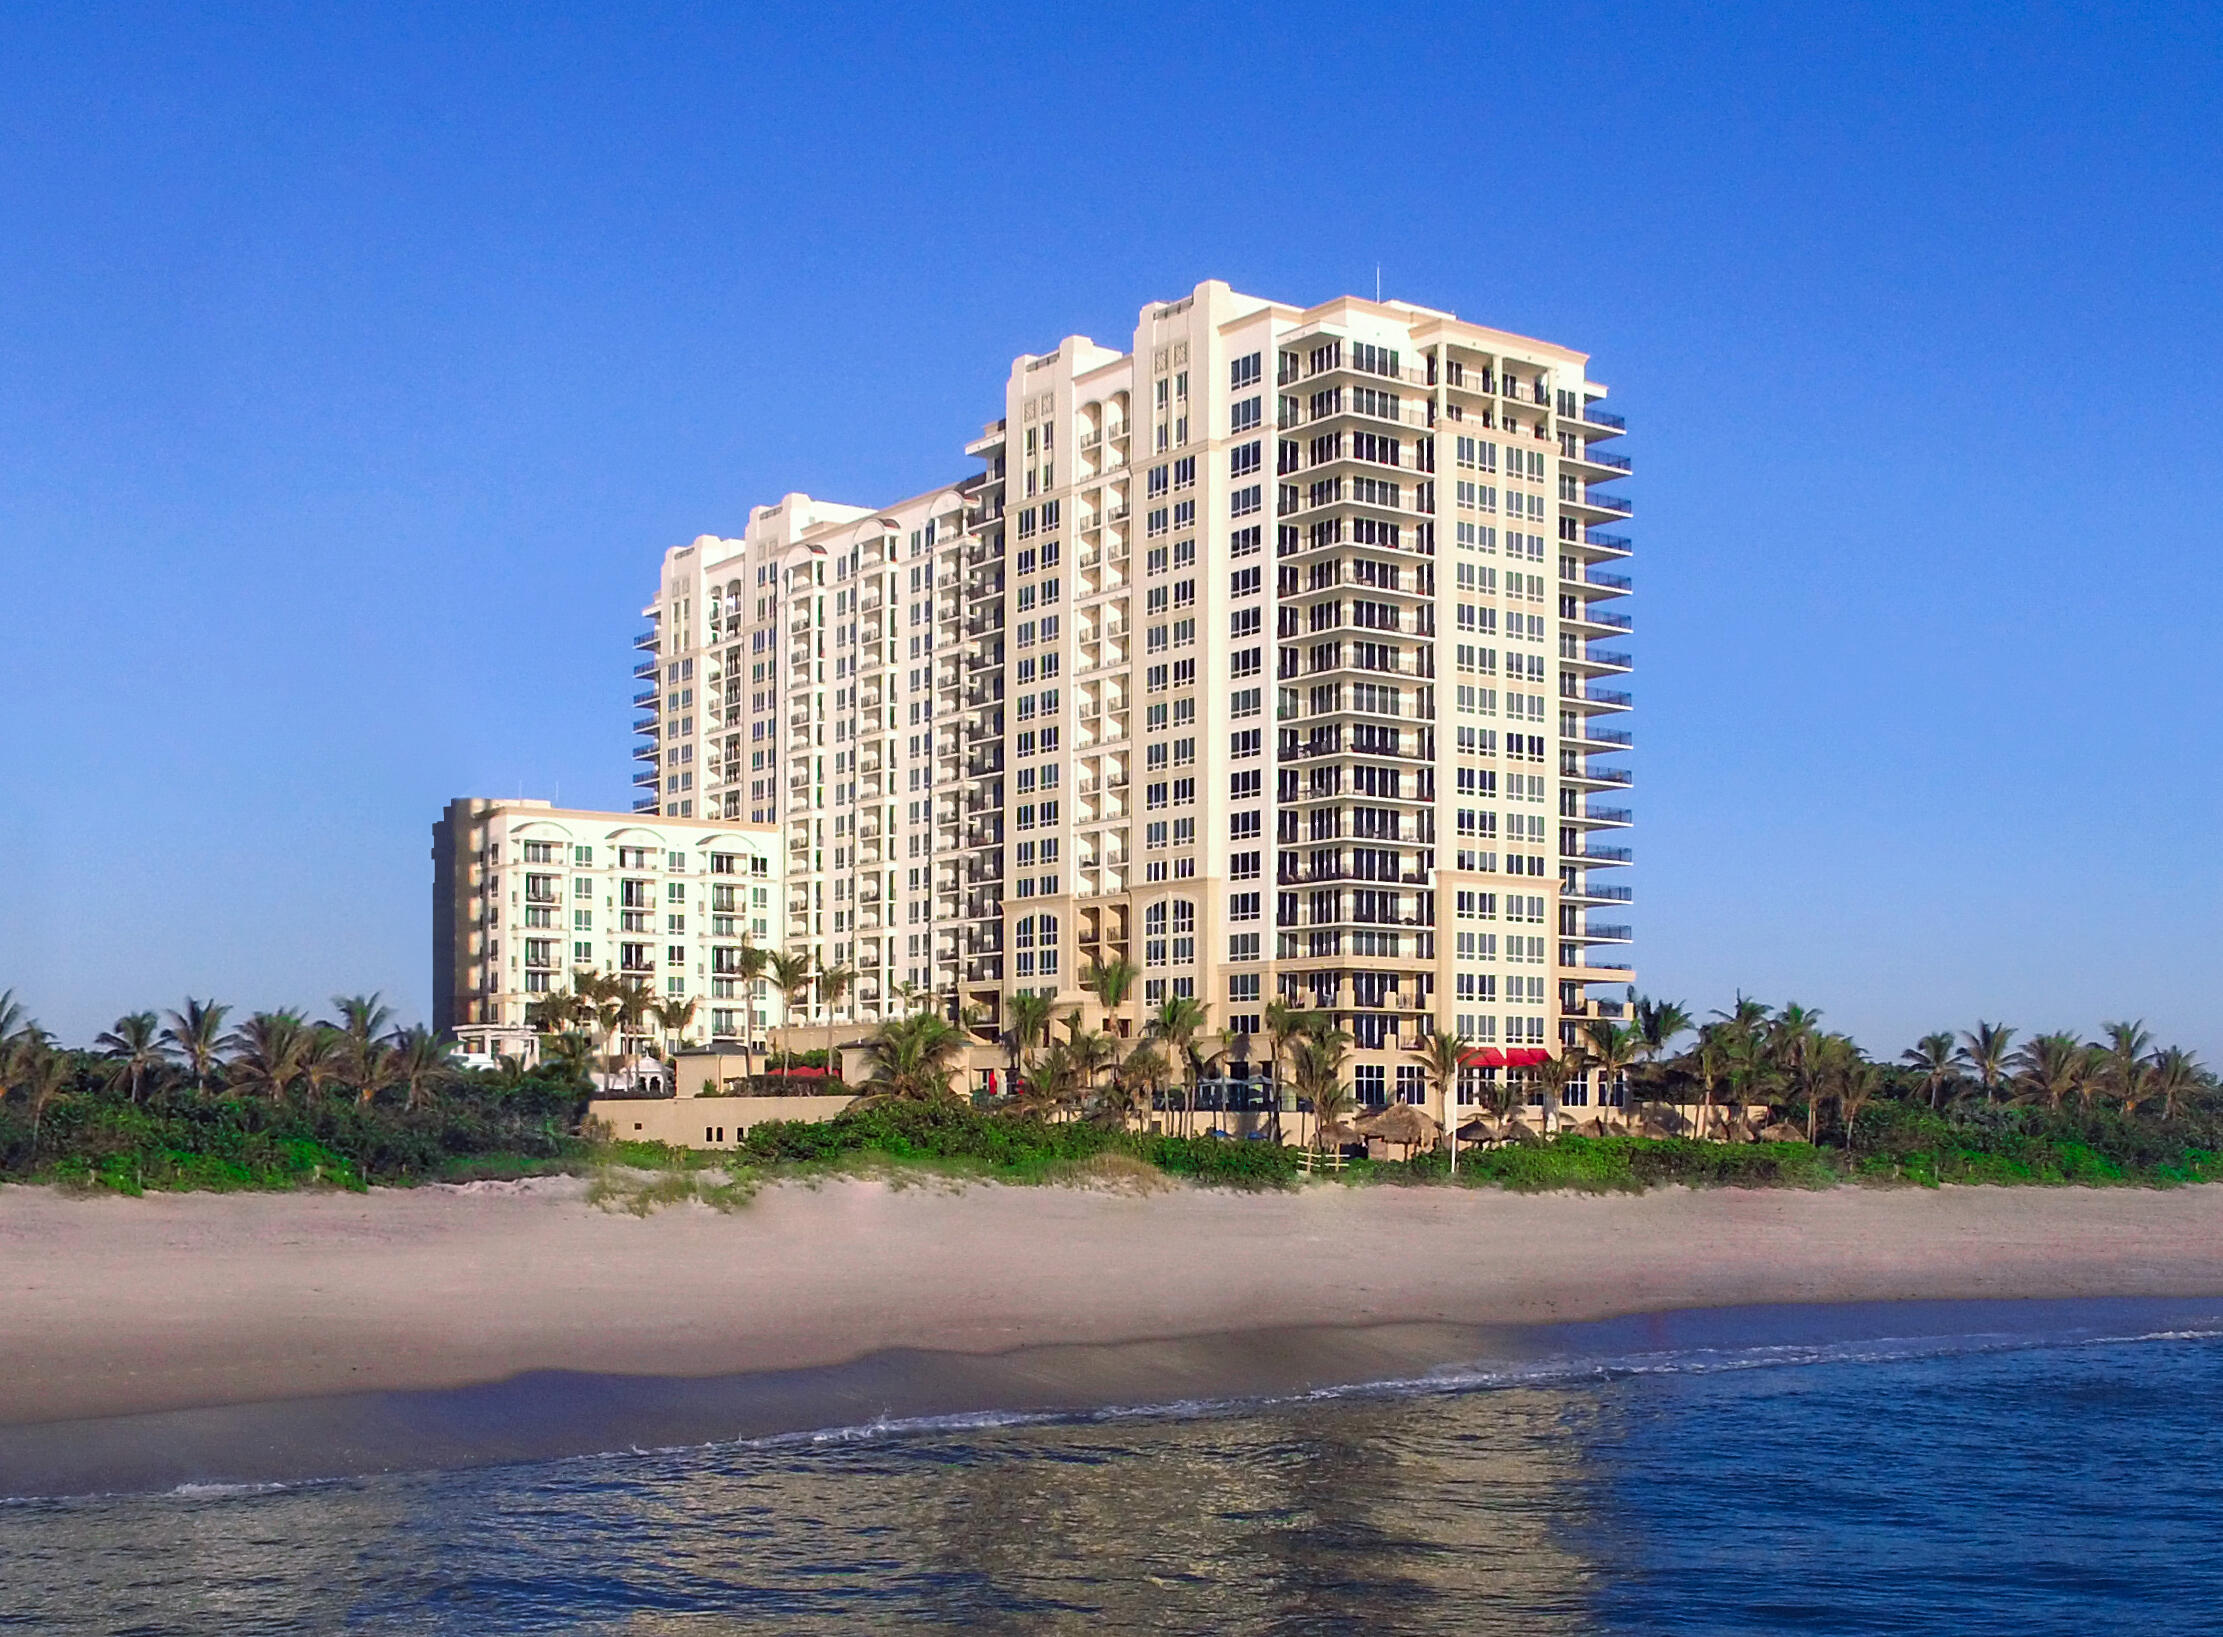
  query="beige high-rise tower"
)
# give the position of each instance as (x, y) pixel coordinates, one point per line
(1261, 655)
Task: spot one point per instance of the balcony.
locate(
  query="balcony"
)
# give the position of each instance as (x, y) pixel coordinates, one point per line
(646, 668)
(1606, 934)
(1602, 895)
(1608, 542)
(645, 778)
(1603, 417)
(645, 701)
(1619, 505)
(1607, 815)
(646, 639)
(1602, 855)
(650, 725)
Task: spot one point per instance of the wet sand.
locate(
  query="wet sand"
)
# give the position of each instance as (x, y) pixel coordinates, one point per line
(133, 1307)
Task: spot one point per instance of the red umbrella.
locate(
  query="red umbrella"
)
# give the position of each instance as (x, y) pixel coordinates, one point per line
(1483, 1057)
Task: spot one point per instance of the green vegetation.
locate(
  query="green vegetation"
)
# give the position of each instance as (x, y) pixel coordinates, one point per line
(280, 1102)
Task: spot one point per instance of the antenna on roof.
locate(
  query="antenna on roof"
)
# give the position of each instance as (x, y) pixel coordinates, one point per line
(1377, 282)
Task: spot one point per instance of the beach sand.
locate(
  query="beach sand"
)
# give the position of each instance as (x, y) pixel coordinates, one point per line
(117, 1307)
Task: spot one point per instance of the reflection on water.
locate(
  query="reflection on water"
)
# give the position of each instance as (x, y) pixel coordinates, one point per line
(2061, 1489)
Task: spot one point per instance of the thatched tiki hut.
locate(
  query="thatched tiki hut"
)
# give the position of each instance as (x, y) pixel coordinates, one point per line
(1403, 1123)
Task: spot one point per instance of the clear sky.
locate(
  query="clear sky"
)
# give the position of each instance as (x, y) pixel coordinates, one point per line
(357, 364)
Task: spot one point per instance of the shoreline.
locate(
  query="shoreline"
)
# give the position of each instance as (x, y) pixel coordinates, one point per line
(547, 1415)
(188, 1305)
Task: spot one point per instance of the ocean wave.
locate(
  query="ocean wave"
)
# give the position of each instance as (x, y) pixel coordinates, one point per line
(1543, 1374)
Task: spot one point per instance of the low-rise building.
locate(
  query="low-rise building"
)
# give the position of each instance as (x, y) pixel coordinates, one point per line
(529, 897)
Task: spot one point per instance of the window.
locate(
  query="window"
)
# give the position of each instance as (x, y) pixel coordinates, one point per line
(1243, 827)
(1245, 415)
(1244, 701)
(1246, 662)
(1245, 622)
(1244, 786)
(1243, 866)
(1245, 582)
(1245, 371)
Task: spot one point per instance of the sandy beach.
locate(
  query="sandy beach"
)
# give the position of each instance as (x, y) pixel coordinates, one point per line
(124, 1306)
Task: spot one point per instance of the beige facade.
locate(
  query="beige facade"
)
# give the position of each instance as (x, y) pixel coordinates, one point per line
(526, 895)
(1265, 653)
(704, 1122)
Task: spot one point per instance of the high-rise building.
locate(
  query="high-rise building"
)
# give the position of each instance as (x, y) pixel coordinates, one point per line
(1262, 655)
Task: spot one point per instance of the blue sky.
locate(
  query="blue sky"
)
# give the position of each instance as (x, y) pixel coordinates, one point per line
(356, 366)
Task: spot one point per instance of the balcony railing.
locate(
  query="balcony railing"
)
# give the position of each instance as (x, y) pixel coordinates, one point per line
(1603, 855)
(1610, 895)
(1603, 417)
(1611, 542)
(1607, 934)
(1612, 582)
(1608, 815)
(1609, 503)
(1620, 463)
(646, 639)
(1606, 696)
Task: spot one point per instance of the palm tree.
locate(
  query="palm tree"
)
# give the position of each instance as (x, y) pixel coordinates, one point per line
(2046, 1065)
(1317, 1061)
(1708, 1061)
(2124, 1056)
(1658, 1022)
(197, 1035)
(1109, 982)
(2175, 1072)
(13, 1022)
(672, 1017)
(833, 984)
(1983, 1051)
(43, 1073)
(1934, 1057)
(1441, 1056)
(1791, 1038)
(1140, 1074)
(1281, 1020)
(1612, 1048)
(791, 977)
(1177, 1023)
(1030, 1025)
(752, 963)
(1090, 1052)
(423, 1065)
(1553, 1074)
(626, 1005)
(325, 1056)
(1858, 1080)
(378, 1066)
(912, 1058)
(266, 1054)
(134, 1045)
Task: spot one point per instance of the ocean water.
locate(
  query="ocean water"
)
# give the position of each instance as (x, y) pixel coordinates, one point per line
(1951, 1468)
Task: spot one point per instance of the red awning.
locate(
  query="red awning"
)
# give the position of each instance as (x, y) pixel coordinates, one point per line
(1483, 1057)
(1521, 1057)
